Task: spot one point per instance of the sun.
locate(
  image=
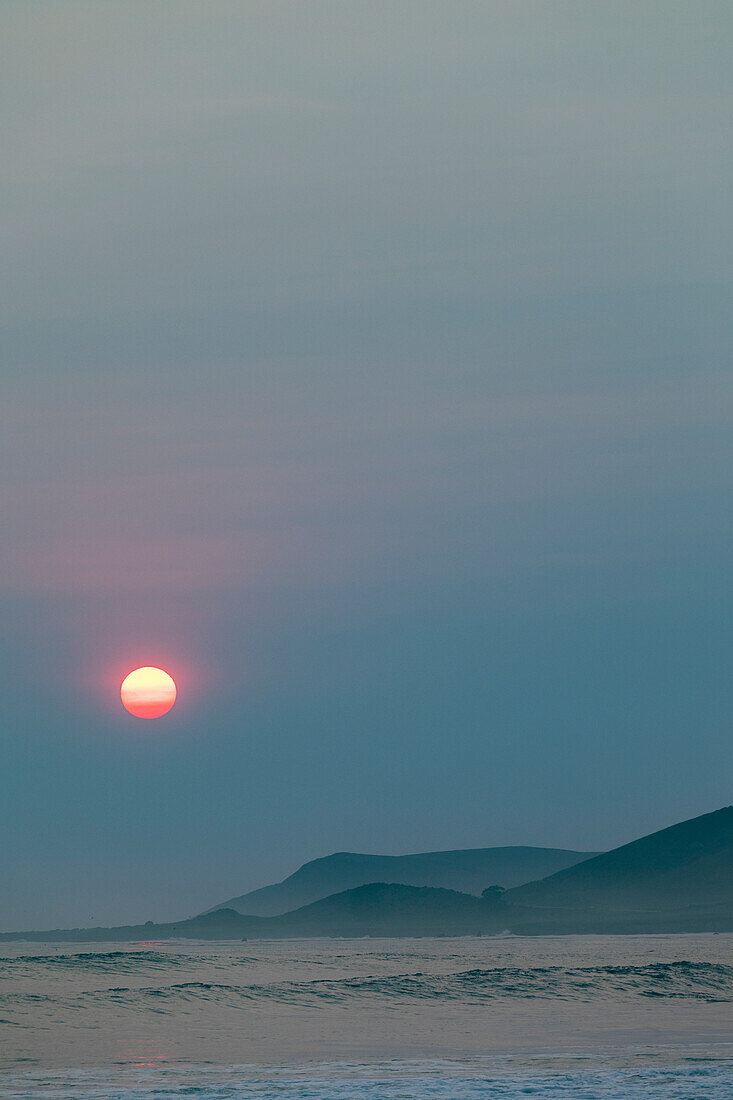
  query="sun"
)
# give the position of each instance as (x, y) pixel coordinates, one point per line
(148, 692)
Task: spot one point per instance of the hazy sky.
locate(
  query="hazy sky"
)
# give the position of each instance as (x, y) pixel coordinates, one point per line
(368, 366)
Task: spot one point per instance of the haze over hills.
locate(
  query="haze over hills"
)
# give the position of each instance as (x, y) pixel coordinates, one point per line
(679, 879)
(468, 871)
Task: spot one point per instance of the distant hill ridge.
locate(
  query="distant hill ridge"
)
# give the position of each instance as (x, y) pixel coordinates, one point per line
(377, 909)
(679, 879)
(467, 870)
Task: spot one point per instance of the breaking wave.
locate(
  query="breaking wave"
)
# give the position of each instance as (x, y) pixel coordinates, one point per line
(395, 1080)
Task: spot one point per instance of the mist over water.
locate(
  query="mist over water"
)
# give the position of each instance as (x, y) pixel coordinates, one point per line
(587, 1016)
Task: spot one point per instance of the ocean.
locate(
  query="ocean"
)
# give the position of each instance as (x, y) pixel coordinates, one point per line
(587, 1017)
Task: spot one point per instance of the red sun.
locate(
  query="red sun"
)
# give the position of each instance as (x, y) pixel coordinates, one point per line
(148, 692)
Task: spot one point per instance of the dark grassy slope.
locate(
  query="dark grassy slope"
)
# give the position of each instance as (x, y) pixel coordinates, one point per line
(468, 871)
(680, 876)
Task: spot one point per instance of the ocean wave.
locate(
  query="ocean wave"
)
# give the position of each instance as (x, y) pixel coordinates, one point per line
(700, 981)
(109, 962)
(709, 982)
(691, 980)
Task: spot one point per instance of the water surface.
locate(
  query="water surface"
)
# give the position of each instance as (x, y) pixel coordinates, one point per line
(584, 1016)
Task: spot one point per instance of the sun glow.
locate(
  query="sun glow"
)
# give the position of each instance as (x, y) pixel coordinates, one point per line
(148, 692)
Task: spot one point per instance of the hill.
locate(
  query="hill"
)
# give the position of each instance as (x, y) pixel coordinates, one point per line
(378, 909)
(678, 878)
(390, 909)
(468, 871)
